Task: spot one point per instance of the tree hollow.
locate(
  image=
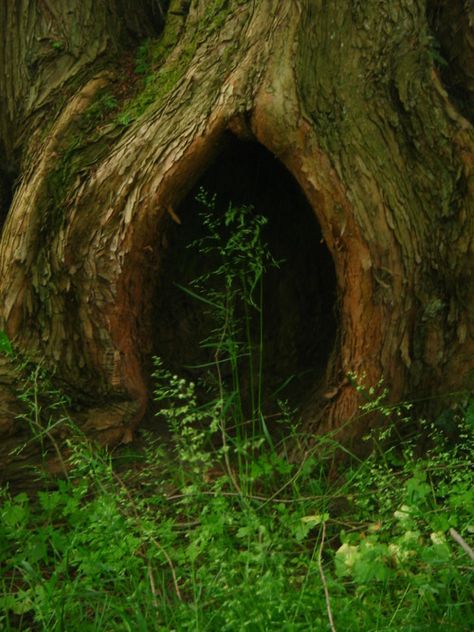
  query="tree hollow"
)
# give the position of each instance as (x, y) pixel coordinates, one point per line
(299, 296)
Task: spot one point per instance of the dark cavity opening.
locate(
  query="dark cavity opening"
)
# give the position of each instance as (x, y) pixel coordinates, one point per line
(299, 313)
(450, 51)
(6, 194)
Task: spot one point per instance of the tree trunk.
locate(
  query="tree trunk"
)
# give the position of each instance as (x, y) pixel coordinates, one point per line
(343, 99)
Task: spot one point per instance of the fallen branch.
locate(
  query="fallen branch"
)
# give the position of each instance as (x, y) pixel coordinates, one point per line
(462, 542)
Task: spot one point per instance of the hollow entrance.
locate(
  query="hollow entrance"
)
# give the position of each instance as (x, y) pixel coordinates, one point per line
(298, 313)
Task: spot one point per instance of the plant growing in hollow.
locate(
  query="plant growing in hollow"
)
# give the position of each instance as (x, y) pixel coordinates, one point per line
(232, 293)
(162, 546)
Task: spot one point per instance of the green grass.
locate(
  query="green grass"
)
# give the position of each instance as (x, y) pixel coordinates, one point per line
(221, 528)
(170, 544)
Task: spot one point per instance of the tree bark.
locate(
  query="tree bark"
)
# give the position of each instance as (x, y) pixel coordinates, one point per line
(348, 98)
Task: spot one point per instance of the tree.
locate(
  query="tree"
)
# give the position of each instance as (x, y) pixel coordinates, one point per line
(366, 108)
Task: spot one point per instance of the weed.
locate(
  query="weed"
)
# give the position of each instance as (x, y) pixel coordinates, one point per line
(233, 294)
(221, 530)
(170, 544)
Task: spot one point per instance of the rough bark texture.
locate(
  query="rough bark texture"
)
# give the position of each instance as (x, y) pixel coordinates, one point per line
(45, 45)
(345, 95)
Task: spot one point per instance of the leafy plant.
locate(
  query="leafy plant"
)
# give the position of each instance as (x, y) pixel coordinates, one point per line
(221, 529)
(233, 294)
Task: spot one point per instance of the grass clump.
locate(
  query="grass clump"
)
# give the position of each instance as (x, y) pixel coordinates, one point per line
(170, 544)
(221, 529)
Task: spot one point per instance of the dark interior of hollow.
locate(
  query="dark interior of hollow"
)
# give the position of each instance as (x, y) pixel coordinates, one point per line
(299, 297)
(6, 195)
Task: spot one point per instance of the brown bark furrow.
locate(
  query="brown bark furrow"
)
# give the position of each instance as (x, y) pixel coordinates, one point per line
(20, 247)
(46, 54)
(45, 46)
(102, 254)
(412, 212)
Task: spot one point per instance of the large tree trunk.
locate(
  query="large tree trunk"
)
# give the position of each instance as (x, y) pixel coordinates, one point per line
(345, 96)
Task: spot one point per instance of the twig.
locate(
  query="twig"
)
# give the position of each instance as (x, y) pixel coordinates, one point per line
(289, 482)
(55, 446)
(462, 542)
(323, 579)
(171, 565)
(160, 9)
(152, 586)
(264, 499)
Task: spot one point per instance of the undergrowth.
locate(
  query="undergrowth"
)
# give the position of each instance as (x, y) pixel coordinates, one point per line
(169, 544)
(222, 528)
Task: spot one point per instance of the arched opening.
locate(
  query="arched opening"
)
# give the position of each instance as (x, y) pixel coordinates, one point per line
(298, 317)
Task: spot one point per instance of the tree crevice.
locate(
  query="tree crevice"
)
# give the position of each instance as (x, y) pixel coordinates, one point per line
(452, 49)
(299, 296)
